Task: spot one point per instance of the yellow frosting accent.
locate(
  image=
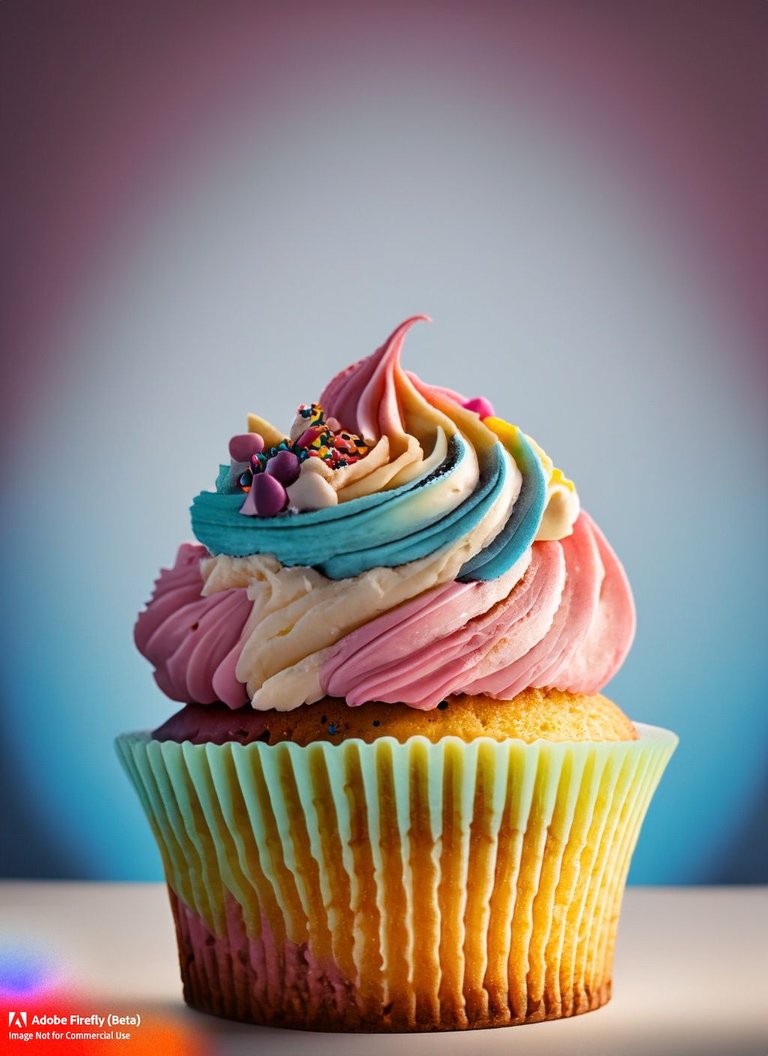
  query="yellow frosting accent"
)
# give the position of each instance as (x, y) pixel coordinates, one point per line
(271, 435)
(562, 507)
(556, 476)
(508, 434)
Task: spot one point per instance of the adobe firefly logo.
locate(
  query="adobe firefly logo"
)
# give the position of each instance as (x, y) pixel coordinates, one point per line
(17, 1019)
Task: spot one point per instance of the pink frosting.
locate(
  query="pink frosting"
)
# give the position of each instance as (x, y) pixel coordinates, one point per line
(567, 624)
(194, 642)
(365, 395)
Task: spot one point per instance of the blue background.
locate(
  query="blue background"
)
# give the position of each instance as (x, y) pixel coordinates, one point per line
(219, 209)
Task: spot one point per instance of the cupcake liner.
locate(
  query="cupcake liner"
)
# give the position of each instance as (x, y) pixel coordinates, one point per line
(389, 886)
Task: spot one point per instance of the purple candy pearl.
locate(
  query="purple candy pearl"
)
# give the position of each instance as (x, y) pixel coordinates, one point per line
(243, 446)
(269, 495)
(284, 466)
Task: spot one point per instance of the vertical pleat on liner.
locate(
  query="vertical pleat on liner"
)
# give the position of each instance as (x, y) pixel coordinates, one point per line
(390, 886)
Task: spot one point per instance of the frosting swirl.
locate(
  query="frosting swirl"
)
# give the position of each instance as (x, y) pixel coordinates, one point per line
(449, 555)
(436, 471)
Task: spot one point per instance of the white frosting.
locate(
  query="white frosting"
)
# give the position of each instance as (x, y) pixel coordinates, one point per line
(311, 491)
(560, 513)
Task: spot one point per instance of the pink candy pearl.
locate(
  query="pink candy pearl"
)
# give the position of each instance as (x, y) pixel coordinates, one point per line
(244, 445)
(480, 406)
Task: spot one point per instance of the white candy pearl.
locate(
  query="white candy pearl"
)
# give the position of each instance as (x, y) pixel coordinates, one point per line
(311, 491)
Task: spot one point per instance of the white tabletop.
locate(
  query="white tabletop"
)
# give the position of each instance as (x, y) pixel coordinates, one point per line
(691, 977)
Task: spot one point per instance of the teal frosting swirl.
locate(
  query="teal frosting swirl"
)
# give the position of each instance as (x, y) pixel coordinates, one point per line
(387, 528)
(384, 529)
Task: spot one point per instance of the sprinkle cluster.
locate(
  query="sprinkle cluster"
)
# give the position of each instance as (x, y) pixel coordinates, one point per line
(326, 439)
(277, 468)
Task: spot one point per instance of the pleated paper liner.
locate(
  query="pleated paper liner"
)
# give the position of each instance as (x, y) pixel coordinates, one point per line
(387, 886)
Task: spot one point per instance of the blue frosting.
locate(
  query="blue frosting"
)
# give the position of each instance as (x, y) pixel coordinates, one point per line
(521, 527)
(384, 529)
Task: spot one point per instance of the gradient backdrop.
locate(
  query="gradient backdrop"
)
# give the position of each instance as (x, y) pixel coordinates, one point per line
(215, 206)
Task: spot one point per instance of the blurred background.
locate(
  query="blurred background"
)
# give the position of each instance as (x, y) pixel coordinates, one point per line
(214, 206)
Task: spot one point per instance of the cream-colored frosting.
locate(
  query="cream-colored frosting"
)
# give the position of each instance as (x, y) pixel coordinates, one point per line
(563, 504)
(298, 613)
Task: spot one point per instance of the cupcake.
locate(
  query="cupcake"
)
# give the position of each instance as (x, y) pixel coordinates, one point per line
(394, 798)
